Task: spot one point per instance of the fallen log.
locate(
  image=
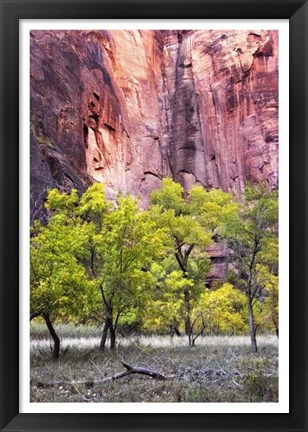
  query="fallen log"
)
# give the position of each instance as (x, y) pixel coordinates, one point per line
(130, 370)
(143, 371)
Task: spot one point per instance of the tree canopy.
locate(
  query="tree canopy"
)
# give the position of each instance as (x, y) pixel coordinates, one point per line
(113, 263)
(252, 240)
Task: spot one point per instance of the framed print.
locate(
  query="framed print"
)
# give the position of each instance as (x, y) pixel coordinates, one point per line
(152, 278)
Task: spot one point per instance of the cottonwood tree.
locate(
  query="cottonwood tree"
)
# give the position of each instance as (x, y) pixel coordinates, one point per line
(92, 256)
(249, 233)
(192, 220)
(124, 250)
(60, 286)
(172, 211)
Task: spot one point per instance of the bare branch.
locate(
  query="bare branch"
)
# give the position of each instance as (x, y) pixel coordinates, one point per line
(34, 315)
(130, 370)
(143, 371)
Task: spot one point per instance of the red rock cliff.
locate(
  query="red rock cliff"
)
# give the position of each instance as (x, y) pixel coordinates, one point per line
(129, 107)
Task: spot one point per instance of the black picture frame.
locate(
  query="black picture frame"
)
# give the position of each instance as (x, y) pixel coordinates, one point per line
(11, 12)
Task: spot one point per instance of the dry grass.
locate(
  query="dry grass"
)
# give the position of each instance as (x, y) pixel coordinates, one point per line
(218, 369)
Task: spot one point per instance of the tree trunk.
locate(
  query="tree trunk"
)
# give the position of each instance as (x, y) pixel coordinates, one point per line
(104, 336)
(191, 340)
(188, 329)
(53, 334)
(34, 315)
(252, 329)
(174, 330)
(108, 327)
(276, 325)
(112, 334)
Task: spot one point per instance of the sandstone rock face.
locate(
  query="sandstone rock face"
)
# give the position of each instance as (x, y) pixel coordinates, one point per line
(129, 107)
(223, 92)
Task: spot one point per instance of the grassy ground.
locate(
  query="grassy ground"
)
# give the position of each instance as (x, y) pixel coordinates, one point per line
(218, 369)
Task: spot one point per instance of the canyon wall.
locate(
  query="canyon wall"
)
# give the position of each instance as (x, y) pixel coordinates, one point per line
(129, 107)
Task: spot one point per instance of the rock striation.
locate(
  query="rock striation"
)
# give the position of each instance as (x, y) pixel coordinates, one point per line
(129, 107)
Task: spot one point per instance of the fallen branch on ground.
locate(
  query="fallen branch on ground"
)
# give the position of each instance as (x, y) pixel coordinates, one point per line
(136, 370)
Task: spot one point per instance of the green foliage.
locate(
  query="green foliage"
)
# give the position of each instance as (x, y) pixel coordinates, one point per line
(268, 317)
(252, 235)
(170, 197)
(257, 217)
(63, 203)
(212, 208)
(59, 283)
(95, 261)
(191, 224)
(222, 311)
(165, 308)
(92, 258)
(93, 205)
(252, 239)
(125, 248)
